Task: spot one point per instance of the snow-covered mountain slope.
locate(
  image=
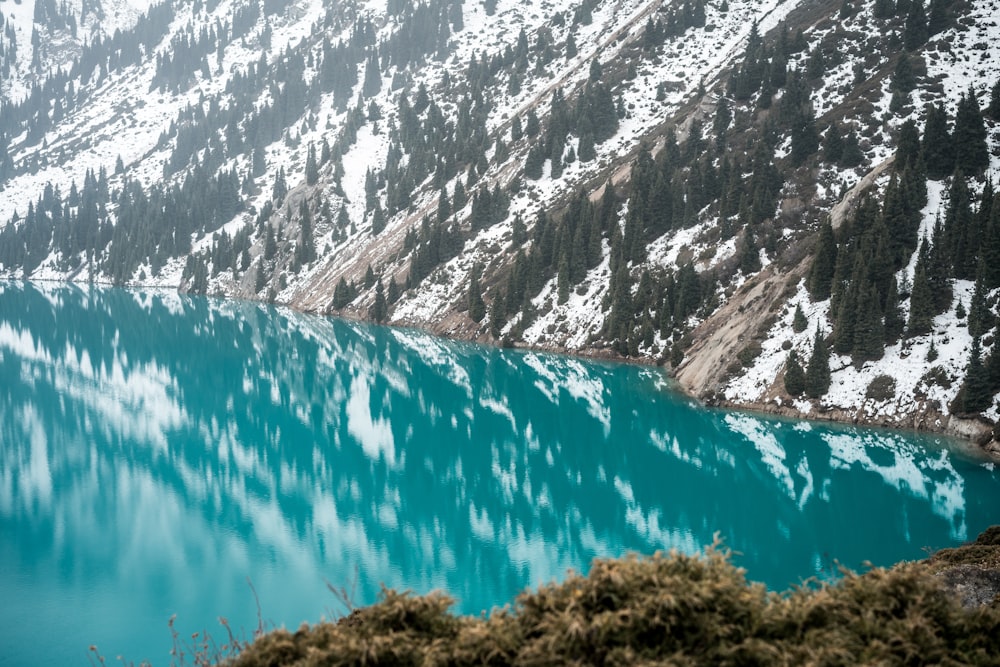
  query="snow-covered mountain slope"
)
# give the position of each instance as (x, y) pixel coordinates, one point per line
(614, 177)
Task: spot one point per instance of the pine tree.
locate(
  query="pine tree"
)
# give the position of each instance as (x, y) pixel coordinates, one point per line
(980, 318)
(975, 395)
(379, 310)
(971, 153)
(477, 307)
(373, 78)
(894, 323)
(312, 169)
(587, 151)
(852, 155)
(915, 31)
(937, 147)
(869, 332)
(993, 110)
(821, 274)
(799, 321)
(833, 144)
(937, 17)
(378, 220)
(921, 301)
(795, 376)
(818, 370)
(498, 315)
(534, 162)
(903, 78)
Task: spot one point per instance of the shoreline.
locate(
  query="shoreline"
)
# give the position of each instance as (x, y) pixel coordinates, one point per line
(977, 431)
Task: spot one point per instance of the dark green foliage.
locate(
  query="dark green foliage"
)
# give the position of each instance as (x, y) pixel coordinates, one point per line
(498, 315)
(884, 9)
(795, 376)
(921, 301)
(903, 78)
(937, 147)
(915, 31)
(851, 155)
(373, 78)
(869, 330)
(907, 146)
(805, 136)
(799, 321)
(343, 294)
(833, 144)
(821, 274)
(937, 16)
(894, 323)
(975, 394)
(378, 220)
(993, 110)
(980, 317)
(379, 310)
(818, 369)
(971, 154)
(312, 168)
(477, 307)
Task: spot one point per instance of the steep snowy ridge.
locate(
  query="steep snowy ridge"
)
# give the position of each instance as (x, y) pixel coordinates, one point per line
(449, 120)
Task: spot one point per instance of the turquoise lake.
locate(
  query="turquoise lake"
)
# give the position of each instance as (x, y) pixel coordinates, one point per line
(158, 453)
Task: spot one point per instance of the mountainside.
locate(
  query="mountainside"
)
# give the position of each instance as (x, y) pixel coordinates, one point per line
(790, 203)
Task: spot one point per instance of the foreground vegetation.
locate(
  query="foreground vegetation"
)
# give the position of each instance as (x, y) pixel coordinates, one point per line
(678, 610)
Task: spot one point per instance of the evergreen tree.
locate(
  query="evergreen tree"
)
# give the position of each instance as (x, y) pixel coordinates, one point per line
(921, 301)
(852, 155)
(378, 220)
(805, 137)
(894, 323)
(373, 78)
(380, 309)
(799, 321)
(498, 315)
(971, 153)
(818, 370)
(534, 162)
(937, 147)
(477, 307)
(907, 146)
(795, 376)
(833, 144)
(980, 318)
(312, 169)
(821, 274)
(903, 78)
(869, 330)
(993, 110)
(937, 17)
(915, 31)
(975, 395)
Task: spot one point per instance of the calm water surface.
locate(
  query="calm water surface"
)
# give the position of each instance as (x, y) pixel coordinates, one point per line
(157, 452)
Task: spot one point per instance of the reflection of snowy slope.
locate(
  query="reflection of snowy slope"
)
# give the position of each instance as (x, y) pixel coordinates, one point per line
(907, 469)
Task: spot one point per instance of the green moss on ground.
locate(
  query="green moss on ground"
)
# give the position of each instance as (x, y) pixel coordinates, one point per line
(672, 610)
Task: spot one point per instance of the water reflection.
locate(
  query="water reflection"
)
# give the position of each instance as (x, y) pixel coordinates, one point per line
(158, 450)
